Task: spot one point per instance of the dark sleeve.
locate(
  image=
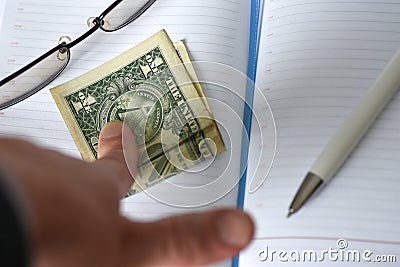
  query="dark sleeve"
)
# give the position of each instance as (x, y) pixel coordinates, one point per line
(13, 245)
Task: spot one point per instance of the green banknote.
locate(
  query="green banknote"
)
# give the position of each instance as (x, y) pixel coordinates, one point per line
(149, 89)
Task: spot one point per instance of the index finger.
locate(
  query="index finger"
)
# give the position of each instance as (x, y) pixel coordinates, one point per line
(118, 155)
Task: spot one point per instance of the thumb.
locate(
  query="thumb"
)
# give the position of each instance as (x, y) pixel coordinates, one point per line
(189, 240)
(118, 155)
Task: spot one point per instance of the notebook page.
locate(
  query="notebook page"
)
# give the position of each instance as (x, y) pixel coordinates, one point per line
(316, 61)
(2, 2)
(214, 31)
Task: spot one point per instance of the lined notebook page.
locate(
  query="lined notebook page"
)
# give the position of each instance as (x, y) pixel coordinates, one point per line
(2, 2)
(214, 31)
(316, 61)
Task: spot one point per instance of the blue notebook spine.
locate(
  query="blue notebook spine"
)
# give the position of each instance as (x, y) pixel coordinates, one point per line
(247, 117)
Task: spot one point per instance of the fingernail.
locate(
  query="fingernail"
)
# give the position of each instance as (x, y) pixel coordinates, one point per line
(111, 130)
(234, 229)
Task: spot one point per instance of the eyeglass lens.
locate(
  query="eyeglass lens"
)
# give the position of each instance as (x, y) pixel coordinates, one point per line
(34, 78)
(123, 13)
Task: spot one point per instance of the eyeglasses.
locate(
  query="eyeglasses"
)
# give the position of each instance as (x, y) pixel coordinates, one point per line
(40, 72)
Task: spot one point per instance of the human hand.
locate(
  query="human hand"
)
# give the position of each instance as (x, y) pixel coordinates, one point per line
(74, 219)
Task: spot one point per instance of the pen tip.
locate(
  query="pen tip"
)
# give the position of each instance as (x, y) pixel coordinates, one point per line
(291, 211)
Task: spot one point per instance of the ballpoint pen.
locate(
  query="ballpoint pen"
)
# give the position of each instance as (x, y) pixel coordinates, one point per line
(349, 133)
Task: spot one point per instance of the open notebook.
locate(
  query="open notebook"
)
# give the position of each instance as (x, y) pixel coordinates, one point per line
(316, 60)
(312, 59)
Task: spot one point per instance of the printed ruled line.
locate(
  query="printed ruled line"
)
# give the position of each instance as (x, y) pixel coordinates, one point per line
(339, 59)
(341, 12)
(332, 40)
(332, 2)
(340, 31)
(131, 25)
(327, 49)
(359, 240)
(331, 20)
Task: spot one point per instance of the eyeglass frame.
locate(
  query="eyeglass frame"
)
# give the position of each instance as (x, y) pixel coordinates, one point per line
(65, 47)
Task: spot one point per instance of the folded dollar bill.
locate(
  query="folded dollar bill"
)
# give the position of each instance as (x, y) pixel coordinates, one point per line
(150, 90)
